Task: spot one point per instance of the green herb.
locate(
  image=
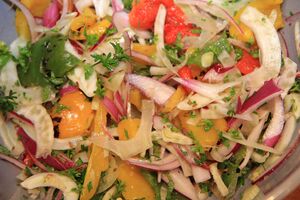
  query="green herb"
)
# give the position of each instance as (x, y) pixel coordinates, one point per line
(110, 61)
(192, 114)
(77, 176)
(204, 187)
(27, 171)
(216, 47)
(145, 71)
(207, 124)
(60, 107)
(7, 103)
(91, 39)
(170, 188)
(223, 140)
(111, 31)
(70, 153)
(291, 13)
(5, 54)
(88, 71)
(201, 160)
(151, 178)
(120, 186)
(231, 95)
(100, 91)
(79, 162)
(234, 133)
(89, 186)
(192, 103)
(154, 39)
(296, 86)
(254, 53)
(24, 56)
(196, 31)
(127, 4)
(173, 51)
(238, 53)
(84, 148)
(231, 112)
(4, 150)
(165, 118)
(126, 134)
(226, 79)
(197, 147)
(46, 92)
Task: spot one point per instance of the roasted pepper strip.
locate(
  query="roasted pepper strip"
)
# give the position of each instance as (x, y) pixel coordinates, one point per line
(98, 161)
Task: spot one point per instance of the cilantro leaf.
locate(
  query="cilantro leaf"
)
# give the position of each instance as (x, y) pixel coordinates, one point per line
(5, 55)
(100, 91)
(88, 71)
(120, 186)
(296, 86)
(91, 39)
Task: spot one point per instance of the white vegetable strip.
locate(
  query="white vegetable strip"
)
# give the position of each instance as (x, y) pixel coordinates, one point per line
(222, 152)
(256, 157)
(65, 144)
(88, 86)
(138, 144)
(269, 45)
(292, 104)
(206, 89)
(159, 32)
(181, 183)
(80, 5)
(42, 121)
(275, 127)
(199, 102)
(253, 137)
(200, 174)
(174, 137)
(287, 76)
(101, 7)
(61, 182)
(218, 180)
(226, 59)
(157, 91)
(9, 137)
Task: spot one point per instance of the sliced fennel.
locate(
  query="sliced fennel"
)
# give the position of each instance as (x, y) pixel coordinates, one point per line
(61, 182)
(269, 44)
(287, 76)
(43, 126)
(218, 179)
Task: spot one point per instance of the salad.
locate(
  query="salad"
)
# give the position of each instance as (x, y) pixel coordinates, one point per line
(148, 99)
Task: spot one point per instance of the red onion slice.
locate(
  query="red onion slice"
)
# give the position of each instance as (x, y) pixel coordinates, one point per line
(112, 109)
(117, 5)
(272, 133)
(51, 15)
(67, 89)
(12, 161)
(147, 165)
(182, 184)
(153, 89)
(267, 92)
(120, 20)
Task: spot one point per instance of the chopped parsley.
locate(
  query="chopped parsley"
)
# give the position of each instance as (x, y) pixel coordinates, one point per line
(170, 188)
(120, 186)
(126, 134)
(100, 91)
(110, 61)
(7, 103)
(88, 71)
(111, 31)
(91, 39)
(90, 186)
(5, 54)
(4, 150)
(60, 107)
(234, 133)
(254, 53)
(238, 53)
(296, 86)
(151, 178)
(207, 124)
(231, 112)
(223, 140)
(231, 95)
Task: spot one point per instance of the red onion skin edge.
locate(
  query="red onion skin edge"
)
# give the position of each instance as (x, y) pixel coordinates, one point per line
(278, 164)
(272, 141)
(14, 115)
(12, 161)
(68, 89)
(269, 88)
(293, 18)
(112, 109)
(166, 167)
(59, 162)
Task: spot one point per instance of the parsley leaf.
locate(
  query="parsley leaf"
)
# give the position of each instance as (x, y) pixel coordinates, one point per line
(231, 94)
(296, 86)
(7, 103)
(111, 31)
(4, 150)
(207, 124)
(100, 91)
(110, 61)
(151, 178)
(91, 39)
(88, 71)
(60, 107)
(90, 186)
(120, 186)
(5, 55)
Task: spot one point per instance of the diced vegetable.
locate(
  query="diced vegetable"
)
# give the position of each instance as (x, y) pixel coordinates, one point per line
(128, 128)
(218, 179)
(247, 64)
(173, 101)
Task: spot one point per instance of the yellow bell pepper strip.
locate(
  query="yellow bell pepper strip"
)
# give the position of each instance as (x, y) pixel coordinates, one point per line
(205, 131)
(147, 50)
(22, 27)
(36, 7)
(87, 18)
(127, 128)
(264, 6)
(98, 161)
(135, 98)
(136, 186)
(172, 102)
(76, 115)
